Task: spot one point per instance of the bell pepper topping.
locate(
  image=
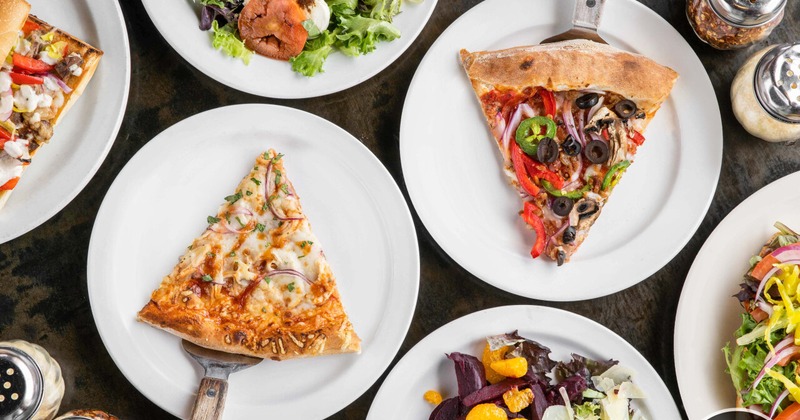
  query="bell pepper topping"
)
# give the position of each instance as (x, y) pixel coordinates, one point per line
(537, 170)
(4, 135)
(536, 223)
(518, 160)
(529, 132)
(637, 138)
(549, 102)
(24, 79)
(613, 174)
(30, 65)
(556, 192)
(30, 26)
(10, 184)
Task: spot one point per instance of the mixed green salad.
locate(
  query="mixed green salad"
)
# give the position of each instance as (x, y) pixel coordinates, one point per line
(763, 362)
(517, 379)
(353, 27)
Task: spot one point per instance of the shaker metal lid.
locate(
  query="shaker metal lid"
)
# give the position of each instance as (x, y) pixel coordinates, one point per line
(777, 82)
(21, 384)
(747, 12)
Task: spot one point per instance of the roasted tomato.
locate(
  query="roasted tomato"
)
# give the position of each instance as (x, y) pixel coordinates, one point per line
(273, 28)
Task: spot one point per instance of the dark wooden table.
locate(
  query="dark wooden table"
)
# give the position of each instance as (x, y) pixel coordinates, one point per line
(43, 273)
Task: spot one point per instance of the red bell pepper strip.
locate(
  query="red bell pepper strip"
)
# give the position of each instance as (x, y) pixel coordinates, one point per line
(30, 26)
(604, 134)
(10, 184)
(637, 138)
(518, 158)
(536, 223)
(549, 101)
(4, 135)
(30, 65)
(24, 79)
(538, 170)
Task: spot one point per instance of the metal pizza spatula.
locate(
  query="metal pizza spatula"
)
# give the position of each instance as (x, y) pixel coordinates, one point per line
(584, 22)
(213, 389)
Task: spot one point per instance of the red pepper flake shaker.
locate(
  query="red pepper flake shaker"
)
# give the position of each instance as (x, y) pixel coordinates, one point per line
(730, 24)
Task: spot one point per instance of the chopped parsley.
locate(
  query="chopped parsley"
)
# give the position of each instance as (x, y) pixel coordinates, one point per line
(233, 198)
(277, 177)
(248, 193)
(211, 254)
(264, 207)
(290, 286)
(285, 189)
(257, 182)
(266, 155)
(239, 220)
(232, 254)
(228, 217)
(276, 158)
(260, 227)
(305, 243)
(211, 220)
(207, 278)
(267, 280)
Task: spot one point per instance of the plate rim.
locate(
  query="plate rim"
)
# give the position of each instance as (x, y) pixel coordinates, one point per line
(681, 312)
(117, 125)
(198, 65)
(511, 311)
(412, 241)
(580, 295)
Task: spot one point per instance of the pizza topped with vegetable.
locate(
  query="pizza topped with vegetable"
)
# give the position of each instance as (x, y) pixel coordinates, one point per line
(568, 119)
(256, 282)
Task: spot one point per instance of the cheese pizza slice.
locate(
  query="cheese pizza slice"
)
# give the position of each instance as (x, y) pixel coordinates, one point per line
(568, 118)
(256, 282)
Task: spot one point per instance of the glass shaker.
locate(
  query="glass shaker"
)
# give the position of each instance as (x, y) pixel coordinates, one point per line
(31, 386)
(730, 24)
(766, 94)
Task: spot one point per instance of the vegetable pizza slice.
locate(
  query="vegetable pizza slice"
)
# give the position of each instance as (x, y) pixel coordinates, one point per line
(568, 118)
(256, 282)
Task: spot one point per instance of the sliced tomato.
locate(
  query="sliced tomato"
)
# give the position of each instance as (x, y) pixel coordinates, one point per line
(4, 135)
(25, 79)
(30, 65)
(637, 138)
(763, 267)
(518, 158)
(549, 102)
(791, 412)
(530, 217)
(10, 184)
(30, 26)
(758, 314)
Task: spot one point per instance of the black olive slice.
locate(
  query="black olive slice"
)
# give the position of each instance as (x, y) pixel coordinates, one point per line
(562, 206)
(625, 108)
(569, 235)
(587, 101)
(586, 208)
(547, 150)
(596, 151)
(561, 257)
(571, 146)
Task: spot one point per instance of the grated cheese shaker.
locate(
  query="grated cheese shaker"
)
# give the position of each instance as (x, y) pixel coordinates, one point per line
(31, 386)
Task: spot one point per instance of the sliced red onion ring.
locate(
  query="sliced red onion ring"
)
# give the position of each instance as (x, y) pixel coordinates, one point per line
(289, 272)
(499, 125)
(268, 184)
(595, 108)
(769, 274)
(776, 404)
(780, 346)
(60, 83)
(765, 307)
(786, 352)
(569, 122)
(560, 230)
(512, 125)
(581, 127)
(595, 136)
(240, 210)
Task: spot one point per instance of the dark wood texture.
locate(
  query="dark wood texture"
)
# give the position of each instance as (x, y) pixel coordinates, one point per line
(43, 273)
(210, 401)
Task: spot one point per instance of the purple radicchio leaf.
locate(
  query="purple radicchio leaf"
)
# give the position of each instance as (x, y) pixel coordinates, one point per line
(582, 366)
(574, 385)
(538, 357)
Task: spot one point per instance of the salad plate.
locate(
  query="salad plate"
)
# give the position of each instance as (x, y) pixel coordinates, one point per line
(178, 22)
(425, 367)
(150, 213)
(451, 164)
(708, 314)
(85, 136)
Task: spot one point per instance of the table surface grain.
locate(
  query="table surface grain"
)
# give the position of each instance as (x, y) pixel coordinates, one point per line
(44, 297)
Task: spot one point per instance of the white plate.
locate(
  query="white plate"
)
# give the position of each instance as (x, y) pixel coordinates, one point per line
(707, 313)
(159, 203)
(452, 167)
(83, 138)
(426, 367)
(178, 23)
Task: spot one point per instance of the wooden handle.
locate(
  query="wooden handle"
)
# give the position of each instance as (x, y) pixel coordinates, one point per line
(210, 399)
(587, 13)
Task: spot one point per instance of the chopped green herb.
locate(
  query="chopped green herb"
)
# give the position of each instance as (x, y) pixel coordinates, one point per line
(306, 243)
(278, 177)
(302, 256)
(290, 286)
(263, 310)
(260, 227)
(239, 220)
(285, 189)
(255, 168)
(211, 220)
(257, 182)
(228, 217)
(269, 244)
(248, 193)
(272, 198)
(232, 254)
(233, 198)
(267, 280)
(211, 254)
(207, 278)
(266, 155)
(277, 158)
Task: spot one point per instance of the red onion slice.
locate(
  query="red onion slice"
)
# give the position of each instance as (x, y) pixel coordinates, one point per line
(788, 351)
(763, 282)
(776, 404)
(510, 128)
(569, 122)
(560, 230)
(268, 184)
(289, 272)
(595, 108)
(581, 127)
(60, 83)
(780, 346)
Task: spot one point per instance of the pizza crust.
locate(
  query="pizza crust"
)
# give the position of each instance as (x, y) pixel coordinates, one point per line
(12, 16)
(572, 65)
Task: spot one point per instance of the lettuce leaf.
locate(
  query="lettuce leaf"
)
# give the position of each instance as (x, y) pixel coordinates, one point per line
(224, 39)
(310, 61)
(360, 34)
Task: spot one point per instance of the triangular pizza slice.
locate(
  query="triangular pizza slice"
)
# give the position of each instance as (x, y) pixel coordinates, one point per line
(256, 282)
(568, 118)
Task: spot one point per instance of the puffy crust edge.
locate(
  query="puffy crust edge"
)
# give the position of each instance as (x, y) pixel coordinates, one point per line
(327, 340)
(572, 65)
(12, 16)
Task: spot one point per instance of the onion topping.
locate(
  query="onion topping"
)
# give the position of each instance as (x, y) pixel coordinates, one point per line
(569, 122)
(289, 272)
(268, 191)
(776, 404)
